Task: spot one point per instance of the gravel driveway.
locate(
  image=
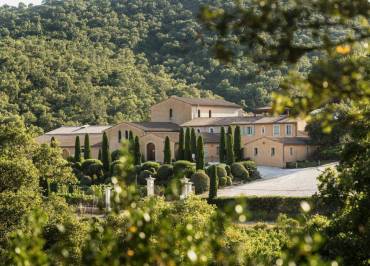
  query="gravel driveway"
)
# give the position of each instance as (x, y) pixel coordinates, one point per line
(279, 182)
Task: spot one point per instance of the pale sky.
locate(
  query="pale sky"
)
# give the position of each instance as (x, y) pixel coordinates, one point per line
(16, 2)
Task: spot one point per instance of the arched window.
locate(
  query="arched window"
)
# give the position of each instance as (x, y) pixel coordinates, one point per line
(171, 113)
(198, 113)
(211, 130)
(119, 136)
(198, 130)
(126, 134)
(210, 113)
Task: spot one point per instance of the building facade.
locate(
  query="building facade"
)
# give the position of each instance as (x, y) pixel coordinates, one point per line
(268, 140)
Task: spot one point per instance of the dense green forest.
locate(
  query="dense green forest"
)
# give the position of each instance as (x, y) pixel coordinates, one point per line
(105, 61)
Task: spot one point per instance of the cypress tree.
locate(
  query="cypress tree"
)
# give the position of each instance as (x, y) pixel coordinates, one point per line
(229, 130)
(137, 153)
(193, 138)
(238, 145)
(213, 184)
(105, 153)
(77, 150)
(167, 151)
(53, 142)
(230, 157)
(180, 155)
(222, 149)
(87, 149)
(131, 141)
(99, 155)
(187, 153)
(200, 154)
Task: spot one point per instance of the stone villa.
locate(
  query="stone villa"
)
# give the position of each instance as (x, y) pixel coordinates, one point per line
(268, 140)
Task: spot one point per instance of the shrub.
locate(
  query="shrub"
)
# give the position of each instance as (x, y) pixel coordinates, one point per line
(229, 181)
(164, 173)
(239, 172)
(201, 181)
(141, 179)
(117, 154)
(252, 169)
(221, 170)
(228, 169)
(150, 166)
(92, 167)
(117, 168)
(85, 180)
(222, 180)
(183, 167)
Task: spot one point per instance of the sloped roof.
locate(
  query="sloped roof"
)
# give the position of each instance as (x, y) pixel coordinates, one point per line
(207, 102)
(210, 137)
(156, 126)
(270, 119)
(86, 129)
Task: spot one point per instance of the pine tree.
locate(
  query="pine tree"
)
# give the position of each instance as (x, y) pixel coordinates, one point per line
(137, 153)
(230, 157)
(167, 151)
(238, 151)
(105, 154)
(193, 138)
(181, 151)
(53, 142)
(213, 184)
(222, 149)
(99, 155)
(200, 154)
(187, 153)
(87, 149)
(77, 150)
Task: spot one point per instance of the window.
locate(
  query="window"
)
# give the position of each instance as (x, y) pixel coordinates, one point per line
(255, 151)
(171, 113)
(291, 151)
(272, 151)
(126, 134)
(198, 113)
(198, 130)
(288, 130)
(249, 131)
(276, 130)
(210, 113)
(211, 130)
(119, 136)
(262, 130)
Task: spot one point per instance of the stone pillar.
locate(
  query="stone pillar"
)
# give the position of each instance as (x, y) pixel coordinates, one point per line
(150, 186)
(184, 187)
(107, 193)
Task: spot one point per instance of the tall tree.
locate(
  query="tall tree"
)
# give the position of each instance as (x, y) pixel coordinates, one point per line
(99, 155)
(87, 148)
(238, 150)
(230, 157)
(187, 153)
(213, 184)
(53, 142)
(167, 151)
(181, 151)
(105, 153)
(199, 158)
(193, 142)
(137, 153)
(77, 150)
(222, 149)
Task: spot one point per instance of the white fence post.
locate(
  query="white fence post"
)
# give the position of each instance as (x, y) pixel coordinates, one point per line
(107, 198)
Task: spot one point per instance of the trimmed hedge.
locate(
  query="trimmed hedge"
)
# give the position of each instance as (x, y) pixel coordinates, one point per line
(182, 167)
(92, 167)
(240, 172)
(267, 208)
(150, 165)
(141, 179)
(252, 169)
(164, 173)
(201, 182)
(222, 181)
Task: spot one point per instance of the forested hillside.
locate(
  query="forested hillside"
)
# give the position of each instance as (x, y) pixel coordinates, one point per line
(103, 61)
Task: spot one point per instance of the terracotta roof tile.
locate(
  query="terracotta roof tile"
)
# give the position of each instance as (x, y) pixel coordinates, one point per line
(207, 102)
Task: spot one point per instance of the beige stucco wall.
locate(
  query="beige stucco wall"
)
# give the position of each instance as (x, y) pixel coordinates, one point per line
(181, 112)
(159, 146)
(299, 152)
(215, 111)
(268, 129)
(211, 152)
(264, 152)
(112, 134)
